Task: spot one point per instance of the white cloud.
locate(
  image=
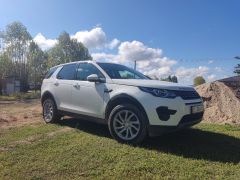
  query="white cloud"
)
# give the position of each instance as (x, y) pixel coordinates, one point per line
(210, 61)
(211, 77)
(43, 42)
(162, 71)
(149, 60)
(95, 38)
(113, 44)
(103, 56)
(158, 62)
(218, 69)
(137, 51)
(199, 71)
(92, 39)
(187, 75)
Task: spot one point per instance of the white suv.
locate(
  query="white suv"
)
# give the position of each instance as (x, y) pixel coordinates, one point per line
(131, 104)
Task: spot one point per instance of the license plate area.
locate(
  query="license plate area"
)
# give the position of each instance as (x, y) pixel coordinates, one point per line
(197, 109)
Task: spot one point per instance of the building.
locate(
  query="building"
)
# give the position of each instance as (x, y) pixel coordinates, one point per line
(10, 85)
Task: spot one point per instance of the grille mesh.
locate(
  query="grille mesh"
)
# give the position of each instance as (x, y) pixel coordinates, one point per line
(187, 95)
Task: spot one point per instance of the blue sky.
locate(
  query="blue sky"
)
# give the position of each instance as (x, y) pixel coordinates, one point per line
(200, 36)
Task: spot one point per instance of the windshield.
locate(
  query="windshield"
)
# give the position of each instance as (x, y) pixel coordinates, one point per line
(117, 71)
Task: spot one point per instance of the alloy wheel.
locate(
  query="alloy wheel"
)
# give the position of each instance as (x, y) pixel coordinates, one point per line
(48, 111)
(126, 124)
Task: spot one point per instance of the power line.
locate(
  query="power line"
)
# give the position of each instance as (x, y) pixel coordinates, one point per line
(208, 59)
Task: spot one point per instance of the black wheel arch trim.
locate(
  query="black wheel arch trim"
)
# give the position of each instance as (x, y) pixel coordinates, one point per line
(47, 93)
(114, 100)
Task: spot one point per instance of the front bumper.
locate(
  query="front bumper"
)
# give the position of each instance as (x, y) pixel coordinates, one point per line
(186, 121)
(166, 111)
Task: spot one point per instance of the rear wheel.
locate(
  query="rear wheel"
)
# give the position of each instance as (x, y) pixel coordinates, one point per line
(50, 112)
(127, 124)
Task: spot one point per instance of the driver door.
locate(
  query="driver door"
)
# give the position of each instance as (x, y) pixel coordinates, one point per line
(87, 97)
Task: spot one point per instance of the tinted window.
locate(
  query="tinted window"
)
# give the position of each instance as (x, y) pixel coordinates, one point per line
(86, 69)
(50, 72)
(117, 71)
(67, 72)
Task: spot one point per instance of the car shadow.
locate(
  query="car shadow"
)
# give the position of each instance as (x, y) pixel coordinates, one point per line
(190, 143)
(198, 144)
(86, 126)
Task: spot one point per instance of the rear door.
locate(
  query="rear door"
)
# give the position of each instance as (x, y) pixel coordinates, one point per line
(63, 86)
(87, 97)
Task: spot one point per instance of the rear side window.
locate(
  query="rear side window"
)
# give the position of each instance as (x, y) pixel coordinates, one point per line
(50, 72)
(86, 69)
(67, 72)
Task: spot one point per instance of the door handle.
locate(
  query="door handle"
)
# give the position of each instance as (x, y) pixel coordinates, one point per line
(76, 86)
(108, 90)
(56, 83)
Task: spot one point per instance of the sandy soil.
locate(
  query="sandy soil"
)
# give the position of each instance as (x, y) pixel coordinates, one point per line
(221, 104)
(13, 113)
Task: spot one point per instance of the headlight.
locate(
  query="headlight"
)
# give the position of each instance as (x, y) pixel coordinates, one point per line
(159, 92)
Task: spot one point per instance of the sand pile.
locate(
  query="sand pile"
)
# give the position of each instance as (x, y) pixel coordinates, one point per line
(221, 104)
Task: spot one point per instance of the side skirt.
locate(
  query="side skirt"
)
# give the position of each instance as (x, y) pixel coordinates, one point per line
(83, 117)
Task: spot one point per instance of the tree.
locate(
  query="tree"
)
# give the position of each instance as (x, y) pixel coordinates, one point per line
(22, 58)
(36, 64)
(174, 79)
(170, 79)
(67, 50)
(199, 80)
(17, 38)
(1, 41)
(5, 68)
(237, 69)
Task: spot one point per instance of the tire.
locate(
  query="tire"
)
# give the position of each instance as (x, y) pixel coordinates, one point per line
(50, 112)
(121, 128)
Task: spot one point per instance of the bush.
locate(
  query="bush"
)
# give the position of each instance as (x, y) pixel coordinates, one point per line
(22, 96)
(199, 80)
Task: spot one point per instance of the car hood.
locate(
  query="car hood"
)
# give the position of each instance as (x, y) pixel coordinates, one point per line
(152, 84)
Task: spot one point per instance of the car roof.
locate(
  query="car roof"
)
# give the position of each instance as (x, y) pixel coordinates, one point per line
(83, 61)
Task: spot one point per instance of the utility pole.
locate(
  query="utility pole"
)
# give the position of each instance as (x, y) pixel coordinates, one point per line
(135, 65)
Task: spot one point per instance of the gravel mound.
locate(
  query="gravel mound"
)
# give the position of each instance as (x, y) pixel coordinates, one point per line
(220, 102)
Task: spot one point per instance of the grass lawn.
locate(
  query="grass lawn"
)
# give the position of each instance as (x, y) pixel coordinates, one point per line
(79, 149)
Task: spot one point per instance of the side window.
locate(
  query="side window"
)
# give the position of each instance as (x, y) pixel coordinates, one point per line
(67, 72)
(86, 69)
(127, 75)
(50, 72)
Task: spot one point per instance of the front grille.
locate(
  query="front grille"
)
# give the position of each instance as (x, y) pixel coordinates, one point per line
(191, 118)
(187, 95)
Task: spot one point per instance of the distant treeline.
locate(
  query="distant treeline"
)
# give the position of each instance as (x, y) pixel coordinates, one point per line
(21, 58)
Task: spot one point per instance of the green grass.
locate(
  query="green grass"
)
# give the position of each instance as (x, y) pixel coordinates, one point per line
(88, 151)
(21, 96)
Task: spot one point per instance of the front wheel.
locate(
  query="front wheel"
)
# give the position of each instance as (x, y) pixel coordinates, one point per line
(127, 124)
(50, 112)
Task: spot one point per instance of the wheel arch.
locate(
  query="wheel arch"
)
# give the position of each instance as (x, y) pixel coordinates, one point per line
(46, 95)
(123, 98)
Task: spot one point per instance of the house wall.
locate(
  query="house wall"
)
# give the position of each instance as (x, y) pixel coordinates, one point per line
(233, 83)
(10, 86)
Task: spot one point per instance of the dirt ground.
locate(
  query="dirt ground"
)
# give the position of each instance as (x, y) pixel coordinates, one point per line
(15, 113)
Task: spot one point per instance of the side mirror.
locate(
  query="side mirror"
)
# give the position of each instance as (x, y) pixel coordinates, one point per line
(95, 78)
